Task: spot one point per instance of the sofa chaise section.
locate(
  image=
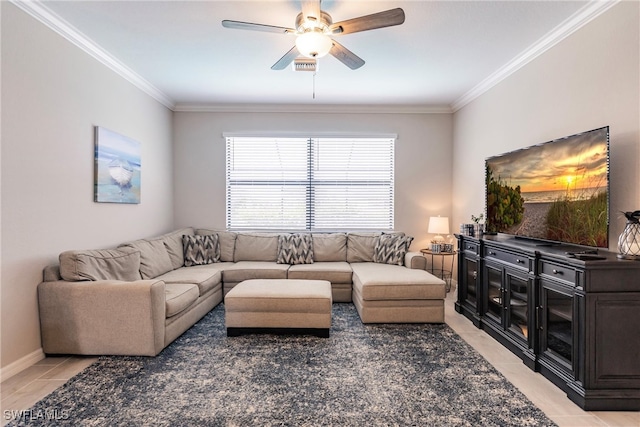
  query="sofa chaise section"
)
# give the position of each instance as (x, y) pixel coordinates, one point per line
(385, 293)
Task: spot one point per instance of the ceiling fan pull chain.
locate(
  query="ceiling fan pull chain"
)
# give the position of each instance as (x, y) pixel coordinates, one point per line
(314, 85)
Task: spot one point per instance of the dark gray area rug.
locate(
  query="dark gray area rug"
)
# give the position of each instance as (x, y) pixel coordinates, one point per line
(398, 375)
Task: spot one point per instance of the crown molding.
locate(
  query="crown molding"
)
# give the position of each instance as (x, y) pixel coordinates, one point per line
(313, 108)
(39, 11)
(576, 21)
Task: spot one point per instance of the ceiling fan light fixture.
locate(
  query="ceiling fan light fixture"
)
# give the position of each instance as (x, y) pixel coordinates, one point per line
(313, 44)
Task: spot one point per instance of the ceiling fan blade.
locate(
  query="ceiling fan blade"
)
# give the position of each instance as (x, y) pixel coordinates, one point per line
(345, 56)
(311, 10)
(256, 27)
(388, 18)
(286, 59)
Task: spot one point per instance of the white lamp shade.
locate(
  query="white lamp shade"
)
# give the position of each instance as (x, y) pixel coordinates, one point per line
(313, 44)
(439, 225)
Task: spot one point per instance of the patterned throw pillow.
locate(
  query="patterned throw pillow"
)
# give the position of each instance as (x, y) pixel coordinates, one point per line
(200, 250)
(391, 248)
(295, 249)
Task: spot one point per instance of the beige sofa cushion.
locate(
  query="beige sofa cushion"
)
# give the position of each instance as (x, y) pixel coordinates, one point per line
(108, 264)
(335, 272)
(329, 247)
(227, 241)
(207, 277)
(244, 270)
(173, 243)
(154, 258)
(179, 296)
(375, 281)
(256, 247)
(360, 246)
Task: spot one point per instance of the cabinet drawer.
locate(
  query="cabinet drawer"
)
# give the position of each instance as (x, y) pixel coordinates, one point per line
(471, 247)
(506, 257)
(558, 271)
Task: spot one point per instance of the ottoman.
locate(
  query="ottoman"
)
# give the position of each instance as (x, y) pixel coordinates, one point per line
(279, 306)
(384, 293)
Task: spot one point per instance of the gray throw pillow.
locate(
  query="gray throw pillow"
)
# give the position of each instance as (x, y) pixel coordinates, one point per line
(391, 248)
(200, 250)
(295, 249)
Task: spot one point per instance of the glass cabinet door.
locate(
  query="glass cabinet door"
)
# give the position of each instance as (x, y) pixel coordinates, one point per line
(557, 325)
(493, 293)
(471, 274)
(518, 312)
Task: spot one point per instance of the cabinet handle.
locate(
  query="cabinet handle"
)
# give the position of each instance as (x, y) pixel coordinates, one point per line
(519, 261)
(557, 271)
(475, 274)
(491, 253)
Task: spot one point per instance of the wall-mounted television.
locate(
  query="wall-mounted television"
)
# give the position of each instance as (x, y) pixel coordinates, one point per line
(557, 191)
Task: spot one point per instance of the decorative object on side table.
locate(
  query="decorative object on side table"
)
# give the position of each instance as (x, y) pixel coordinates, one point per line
(438, 225)
(629, 240)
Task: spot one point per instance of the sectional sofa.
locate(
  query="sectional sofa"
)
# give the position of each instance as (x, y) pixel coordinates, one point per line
(139, 297)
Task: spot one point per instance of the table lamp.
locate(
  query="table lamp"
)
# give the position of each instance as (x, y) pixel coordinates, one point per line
(439, 225)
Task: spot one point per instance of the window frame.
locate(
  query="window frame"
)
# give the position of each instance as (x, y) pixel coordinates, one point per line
(311, 183)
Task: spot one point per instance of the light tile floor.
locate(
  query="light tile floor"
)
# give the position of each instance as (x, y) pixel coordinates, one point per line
(27, 387)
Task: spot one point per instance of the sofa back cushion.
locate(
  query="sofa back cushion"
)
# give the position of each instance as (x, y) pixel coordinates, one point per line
(173, 243)
(329, 247)
(256, 247)
(108, 264)
(154, 257)
(361, 246)
(227, 240)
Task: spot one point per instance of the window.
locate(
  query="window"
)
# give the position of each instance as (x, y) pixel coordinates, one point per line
(310, 183)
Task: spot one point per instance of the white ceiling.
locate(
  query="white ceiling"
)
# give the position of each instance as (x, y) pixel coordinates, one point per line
(444, 53)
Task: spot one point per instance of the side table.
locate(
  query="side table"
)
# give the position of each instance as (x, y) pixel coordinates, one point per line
(442, 272)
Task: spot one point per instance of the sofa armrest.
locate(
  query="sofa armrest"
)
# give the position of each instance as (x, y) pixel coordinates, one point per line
(415, 260)
(104, 317)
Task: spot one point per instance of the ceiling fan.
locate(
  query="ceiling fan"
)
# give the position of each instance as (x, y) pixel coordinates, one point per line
(313, 29)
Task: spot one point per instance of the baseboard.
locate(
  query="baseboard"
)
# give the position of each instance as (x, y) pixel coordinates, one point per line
(21, 364)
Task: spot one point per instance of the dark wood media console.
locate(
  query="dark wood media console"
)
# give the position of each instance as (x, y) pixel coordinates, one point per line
(573, 318)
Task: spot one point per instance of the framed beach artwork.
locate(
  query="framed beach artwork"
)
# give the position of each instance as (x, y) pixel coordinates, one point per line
(117, 168)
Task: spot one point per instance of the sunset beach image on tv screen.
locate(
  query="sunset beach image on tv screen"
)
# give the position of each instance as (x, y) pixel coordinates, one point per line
(555, 191)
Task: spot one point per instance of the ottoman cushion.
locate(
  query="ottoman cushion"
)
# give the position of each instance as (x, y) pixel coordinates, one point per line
(375, 281)
(275, 303)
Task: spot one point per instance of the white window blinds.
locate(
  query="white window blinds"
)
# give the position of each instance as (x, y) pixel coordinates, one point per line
(310, 183)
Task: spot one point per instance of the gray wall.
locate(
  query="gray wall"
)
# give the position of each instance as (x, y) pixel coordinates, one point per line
(590, 79)
(423, 160)
(53, 94)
